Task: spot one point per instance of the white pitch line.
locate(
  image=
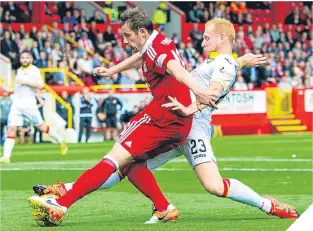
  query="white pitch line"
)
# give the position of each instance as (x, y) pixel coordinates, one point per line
(175, 160)
(173, 169)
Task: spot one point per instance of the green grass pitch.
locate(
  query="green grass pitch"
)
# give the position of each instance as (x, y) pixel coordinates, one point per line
(264, 163)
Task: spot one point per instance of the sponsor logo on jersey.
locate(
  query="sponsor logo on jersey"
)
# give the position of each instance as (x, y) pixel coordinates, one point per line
(166, 41)
(129, 143)
(160, 60)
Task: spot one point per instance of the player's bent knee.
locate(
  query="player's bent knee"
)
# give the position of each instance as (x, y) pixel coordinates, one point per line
(42, 128)
(119, 155)
(11, 131)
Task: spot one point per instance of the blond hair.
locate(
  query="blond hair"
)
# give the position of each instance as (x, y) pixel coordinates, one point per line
(222, 26)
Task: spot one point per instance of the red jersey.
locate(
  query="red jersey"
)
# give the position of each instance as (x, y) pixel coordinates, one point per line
(156, 53)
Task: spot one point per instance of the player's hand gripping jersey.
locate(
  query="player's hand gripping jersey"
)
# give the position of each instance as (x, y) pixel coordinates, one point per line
(220, 68)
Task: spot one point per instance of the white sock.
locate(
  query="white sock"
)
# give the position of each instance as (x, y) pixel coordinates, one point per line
(68, 186)
(266, 205)
(8, 147)
(242, 193)
(113, 180)
(55, 135)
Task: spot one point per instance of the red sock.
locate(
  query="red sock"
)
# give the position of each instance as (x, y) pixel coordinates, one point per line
(88, 182)
(226, 183)
(142, 178)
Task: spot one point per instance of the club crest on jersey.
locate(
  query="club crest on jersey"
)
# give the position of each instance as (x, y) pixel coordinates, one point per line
(160, 60)
(144, 67)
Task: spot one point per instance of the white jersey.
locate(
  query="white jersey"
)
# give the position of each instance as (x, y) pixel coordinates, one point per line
(197, 148)
(24, 96)
(223, 68)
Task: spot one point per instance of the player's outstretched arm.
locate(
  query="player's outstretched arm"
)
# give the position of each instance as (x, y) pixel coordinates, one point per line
(215, 89)
(131, 62)
(183, 76)
(251, 60)
(33, 84)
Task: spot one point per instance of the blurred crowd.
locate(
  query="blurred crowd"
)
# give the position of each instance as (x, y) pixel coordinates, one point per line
(79, 46)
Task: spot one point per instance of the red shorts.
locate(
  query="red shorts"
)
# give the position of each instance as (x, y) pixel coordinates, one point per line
(142, 138)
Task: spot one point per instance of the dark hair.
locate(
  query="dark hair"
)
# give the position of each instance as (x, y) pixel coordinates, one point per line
(27, 52)
(137, 18)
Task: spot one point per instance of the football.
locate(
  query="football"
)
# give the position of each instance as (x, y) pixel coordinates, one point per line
(41, 220)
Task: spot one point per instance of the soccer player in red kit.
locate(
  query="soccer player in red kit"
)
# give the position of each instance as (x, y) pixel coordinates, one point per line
(153, 131)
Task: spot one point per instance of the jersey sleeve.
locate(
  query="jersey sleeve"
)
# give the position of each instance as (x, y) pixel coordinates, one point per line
(164, 54)
(224, 71)
(37, 78)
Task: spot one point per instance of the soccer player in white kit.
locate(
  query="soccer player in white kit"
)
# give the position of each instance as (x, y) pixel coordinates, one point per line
(217, 74)
(28, 79)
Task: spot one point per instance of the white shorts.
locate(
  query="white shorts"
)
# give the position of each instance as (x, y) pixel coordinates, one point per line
(17, 114)
(197, 147)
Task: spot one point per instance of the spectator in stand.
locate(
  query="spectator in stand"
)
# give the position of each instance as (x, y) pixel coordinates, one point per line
(192, 14)
(93, 31)
(83, 16)
(86, 104)
(42, 62)
(160, 15)
(96, 17)
(274, 33)
(8, 46)
(190, 51)
(27, 42)
(76, 15)
(77, 32)
(7, 18)
(86, 43)
(63, 7)
(83, 27)
(47, 48)
(108, 36)
(142, 105)
(33, 32)
(240, 83)
(100, 44)
(84, 68)
(56, 53)
(248, 19)
(196, 36)
(205, 17)
(35, 52)
(1, 13)
(118, 35)
(19, 42)
(69, 18)
(112, 12)
(73, 62)
(96, 60)
(119, 47)
(61, 40)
